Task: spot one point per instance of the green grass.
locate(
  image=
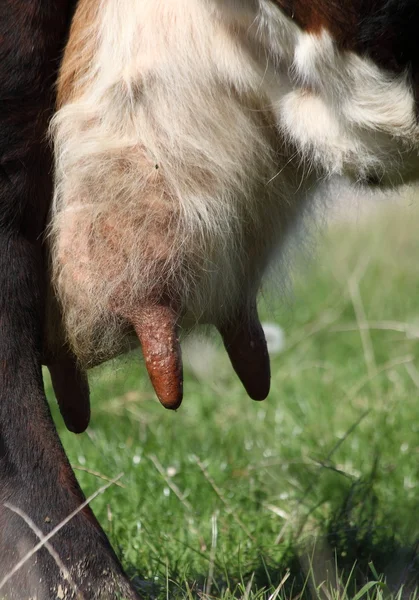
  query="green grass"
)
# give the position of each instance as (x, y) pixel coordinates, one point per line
(313, 493)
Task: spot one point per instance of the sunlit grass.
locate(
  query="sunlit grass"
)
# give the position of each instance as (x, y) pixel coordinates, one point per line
(313, 492)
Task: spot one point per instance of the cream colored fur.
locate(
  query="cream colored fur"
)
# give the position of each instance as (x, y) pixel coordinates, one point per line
(189, 148)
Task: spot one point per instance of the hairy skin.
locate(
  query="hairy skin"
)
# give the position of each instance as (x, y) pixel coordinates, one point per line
(35, 475)
(188, 142)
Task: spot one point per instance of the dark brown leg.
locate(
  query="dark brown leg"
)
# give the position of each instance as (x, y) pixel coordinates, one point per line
(35, 476)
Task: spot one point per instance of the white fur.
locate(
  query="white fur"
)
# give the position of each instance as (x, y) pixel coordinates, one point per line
(239, 109)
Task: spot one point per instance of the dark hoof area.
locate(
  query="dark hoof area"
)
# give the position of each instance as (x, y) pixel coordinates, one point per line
(40, 578)
(77, 564)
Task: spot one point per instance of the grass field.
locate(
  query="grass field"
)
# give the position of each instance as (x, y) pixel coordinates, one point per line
(313, 493)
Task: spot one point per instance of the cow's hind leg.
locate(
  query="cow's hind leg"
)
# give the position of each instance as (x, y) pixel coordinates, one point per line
(35, 476)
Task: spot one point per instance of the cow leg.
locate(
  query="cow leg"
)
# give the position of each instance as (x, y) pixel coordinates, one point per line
(35, 476)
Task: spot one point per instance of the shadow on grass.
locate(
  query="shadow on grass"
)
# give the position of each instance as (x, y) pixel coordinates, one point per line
(359, 555)
(359, 546)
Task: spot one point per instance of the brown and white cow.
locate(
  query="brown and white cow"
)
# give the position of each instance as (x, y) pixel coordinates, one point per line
(190, 136)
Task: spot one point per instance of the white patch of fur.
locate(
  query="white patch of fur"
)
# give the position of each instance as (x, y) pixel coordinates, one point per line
(237, 107)
(345, 115)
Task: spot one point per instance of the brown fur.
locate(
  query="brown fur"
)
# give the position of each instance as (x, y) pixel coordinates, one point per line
(339, 18)
(367, 27)
(79, 51)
